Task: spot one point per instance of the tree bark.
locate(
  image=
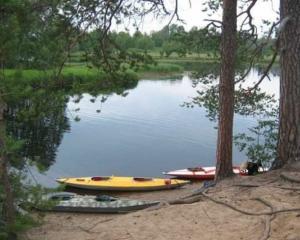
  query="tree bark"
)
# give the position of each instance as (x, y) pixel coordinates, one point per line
(8, 203)
(226, 89)
(288, 148)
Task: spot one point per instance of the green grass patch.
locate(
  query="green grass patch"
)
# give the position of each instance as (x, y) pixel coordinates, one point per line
(161, 71)
(33, 74)
(82, 73)
(162, 68)
(75, 79)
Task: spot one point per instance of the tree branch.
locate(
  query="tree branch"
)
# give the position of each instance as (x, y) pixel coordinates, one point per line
(265, 73)
(175, 14)
(258, 50)
(213, 22)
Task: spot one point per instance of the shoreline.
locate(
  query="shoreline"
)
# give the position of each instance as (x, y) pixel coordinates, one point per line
(210, 220)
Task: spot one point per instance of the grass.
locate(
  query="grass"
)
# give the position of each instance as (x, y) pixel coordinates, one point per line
(163, 68)
(81, 71)
(72, 80)
(76, 68)
(27, 73)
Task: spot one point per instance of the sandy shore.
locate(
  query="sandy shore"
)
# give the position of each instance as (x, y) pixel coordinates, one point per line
(229, 211)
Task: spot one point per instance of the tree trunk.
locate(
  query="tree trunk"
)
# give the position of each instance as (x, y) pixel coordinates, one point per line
(8, 203)
(226, 88)
(288, 148)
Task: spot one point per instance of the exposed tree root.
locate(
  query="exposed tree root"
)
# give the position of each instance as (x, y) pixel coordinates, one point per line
(263, 201)
(89, 230)
(158, 206)
(284, 211)
(267, 231)
(256, 185)
(187, 200)
(192, 198)
(229, 205)
(246, 185)
(269, 216)
(269, 219)
(250, 213)
(287, 177)
(197, 196)
(288, 188)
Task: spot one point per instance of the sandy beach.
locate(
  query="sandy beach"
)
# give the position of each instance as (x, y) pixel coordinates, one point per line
(257, 207)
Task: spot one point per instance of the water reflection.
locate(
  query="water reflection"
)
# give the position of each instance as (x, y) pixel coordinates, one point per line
(40, 122)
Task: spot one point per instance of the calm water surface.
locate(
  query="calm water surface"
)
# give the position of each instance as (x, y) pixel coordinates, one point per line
(142, 134)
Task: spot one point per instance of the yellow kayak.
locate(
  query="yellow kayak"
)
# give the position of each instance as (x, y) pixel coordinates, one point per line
(113, 183)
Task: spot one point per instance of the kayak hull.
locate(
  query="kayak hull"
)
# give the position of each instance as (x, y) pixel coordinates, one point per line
(204, 173)
(120, 188)
(191, 177)
(102, 210)
(90, 204)
(122, 183)
(198, 173)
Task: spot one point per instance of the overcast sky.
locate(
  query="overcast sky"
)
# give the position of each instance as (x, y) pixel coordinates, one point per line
(193, 15)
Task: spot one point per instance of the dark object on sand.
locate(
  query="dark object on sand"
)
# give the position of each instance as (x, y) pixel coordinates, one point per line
(253, 168)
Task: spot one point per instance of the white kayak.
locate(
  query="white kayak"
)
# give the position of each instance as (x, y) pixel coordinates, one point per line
(206, 173)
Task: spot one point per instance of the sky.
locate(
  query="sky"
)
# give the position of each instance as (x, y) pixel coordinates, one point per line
(193, 15)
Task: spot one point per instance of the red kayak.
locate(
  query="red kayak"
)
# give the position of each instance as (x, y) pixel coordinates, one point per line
(199, 173)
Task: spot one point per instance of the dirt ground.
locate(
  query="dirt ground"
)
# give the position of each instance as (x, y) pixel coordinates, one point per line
(260, 207)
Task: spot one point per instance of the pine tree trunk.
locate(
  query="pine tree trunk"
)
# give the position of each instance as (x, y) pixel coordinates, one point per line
(288, 149)
(8, 203)
(226, 98)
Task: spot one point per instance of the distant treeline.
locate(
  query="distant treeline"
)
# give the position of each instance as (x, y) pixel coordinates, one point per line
(171, 39)
(30, 44)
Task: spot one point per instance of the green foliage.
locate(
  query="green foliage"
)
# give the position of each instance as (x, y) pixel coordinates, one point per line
(203, 40)
(28, 197)
(260, 143)
(9, 24)
(163, 68)
(145, 43)
(23, 223)
(212, 6)
(124, 40)
(11, 149)
(77, 78)
(247, 103)
(33, 38)
(23, 220)
(171, 39)
(37, 198)
(170, 47)
(160, 37)
(39, 121)
(3, 234)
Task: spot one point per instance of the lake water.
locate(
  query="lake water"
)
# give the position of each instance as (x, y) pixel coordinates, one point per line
(142, 134)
